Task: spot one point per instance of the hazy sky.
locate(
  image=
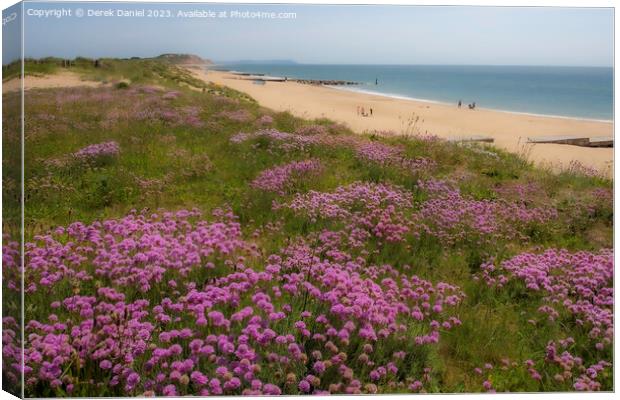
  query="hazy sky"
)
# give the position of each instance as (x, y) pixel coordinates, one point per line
(334, 34)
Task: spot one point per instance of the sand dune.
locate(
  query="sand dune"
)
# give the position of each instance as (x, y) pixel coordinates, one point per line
(62, 79)
(510, 130)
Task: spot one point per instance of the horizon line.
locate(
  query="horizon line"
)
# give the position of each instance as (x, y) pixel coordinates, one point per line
(293, 62)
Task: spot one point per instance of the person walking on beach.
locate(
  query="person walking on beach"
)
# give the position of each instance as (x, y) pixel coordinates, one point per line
(371, 111)
(459, 105)
(363, 112)
(376, 81)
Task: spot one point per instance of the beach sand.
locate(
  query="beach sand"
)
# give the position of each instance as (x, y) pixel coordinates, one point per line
(510, 130)
(61, 79)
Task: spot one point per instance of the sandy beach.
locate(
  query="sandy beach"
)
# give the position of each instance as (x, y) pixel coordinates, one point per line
(509, 130)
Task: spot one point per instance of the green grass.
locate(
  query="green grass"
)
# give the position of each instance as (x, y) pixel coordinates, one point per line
(41, 67)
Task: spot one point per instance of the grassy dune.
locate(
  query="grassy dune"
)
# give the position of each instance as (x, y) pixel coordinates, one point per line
(394, 264)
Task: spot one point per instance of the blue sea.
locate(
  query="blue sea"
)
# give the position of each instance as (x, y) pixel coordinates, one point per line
(577, 92)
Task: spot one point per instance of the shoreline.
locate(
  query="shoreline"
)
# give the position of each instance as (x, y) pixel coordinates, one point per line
(358, 88)
(508, 129)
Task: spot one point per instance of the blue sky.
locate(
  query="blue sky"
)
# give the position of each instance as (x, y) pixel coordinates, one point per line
(335, 34)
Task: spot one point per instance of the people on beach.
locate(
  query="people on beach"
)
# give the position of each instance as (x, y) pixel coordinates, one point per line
(472, 106)
(362, 111)
(459, 105)
(376, 81)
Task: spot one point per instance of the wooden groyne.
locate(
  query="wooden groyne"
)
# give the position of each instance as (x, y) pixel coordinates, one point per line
(583, 141)
(318, 82)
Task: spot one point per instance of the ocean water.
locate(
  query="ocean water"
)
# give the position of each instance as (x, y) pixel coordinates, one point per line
(577, 92)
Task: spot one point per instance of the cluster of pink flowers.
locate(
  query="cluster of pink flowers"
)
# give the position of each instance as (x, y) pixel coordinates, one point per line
(11, 347)
(69, 96)
(572, 368)
(285, 141)
(11, 272)
(521, 191)
(176, 310)
(379, 153)
(241, 137)
(427, 137)
(240, 115)
(97, 151)
(563, 369)
(94, 154)
(454, 218)
(310, 135)
(224, 100)
(281, 178)
(264, 120)
(387, 212)
(488, 370)
(165, 114)
(388, 155)
(311, 130)
(595, 203)
(577, 168)
(136, 251)
(578, 285)
(112, 106)
(603, 195)
(368, 208)
(191, 116)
